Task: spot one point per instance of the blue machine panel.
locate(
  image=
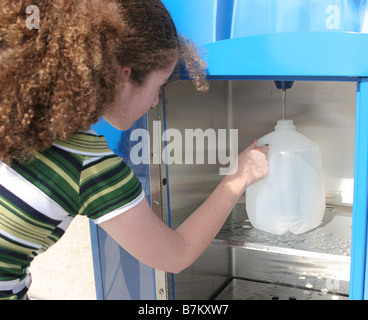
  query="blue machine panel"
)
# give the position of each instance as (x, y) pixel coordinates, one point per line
(209, 21)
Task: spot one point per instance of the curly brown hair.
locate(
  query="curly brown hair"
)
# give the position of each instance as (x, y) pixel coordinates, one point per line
(58, 79)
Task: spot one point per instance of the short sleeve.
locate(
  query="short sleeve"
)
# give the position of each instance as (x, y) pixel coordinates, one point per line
(108, 188)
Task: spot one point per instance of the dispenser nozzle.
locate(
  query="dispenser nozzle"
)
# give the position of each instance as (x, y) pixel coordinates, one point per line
(284, 85)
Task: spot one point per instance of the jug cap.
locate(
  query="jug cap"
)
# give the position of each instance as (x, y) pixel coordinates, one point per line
(285, 124)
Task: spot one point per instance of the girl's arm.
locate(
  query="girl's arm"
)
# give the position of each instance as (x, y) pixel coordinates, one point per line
(145, 236)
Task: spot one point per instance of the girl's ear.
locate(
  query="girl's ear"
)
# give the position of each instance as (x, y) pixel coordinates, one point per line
(125, 73)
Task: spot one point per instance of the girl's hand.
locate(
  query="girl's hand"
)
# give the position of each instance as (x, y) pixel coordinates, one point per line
(252, 166)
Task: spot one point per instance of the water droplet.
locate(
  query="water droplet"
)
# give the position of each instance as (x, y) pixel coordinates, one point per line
(309, 286)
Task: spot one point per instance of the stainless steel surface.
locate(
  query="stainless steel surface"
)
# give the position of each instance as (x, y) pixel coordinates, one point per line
(239, 289)
(323, 111)
(318, 260)
(204, 279)
(158, 203)
(330, 240)
(155, 169)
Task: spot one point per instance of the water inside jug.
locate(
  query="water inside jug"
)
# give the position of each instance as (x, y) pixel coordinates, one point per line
(291, 198)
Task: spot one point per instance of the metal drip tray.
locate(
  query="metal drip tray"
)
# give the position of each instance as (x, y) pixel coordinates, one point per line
(239, 289)
(332, 239)
(313, 265)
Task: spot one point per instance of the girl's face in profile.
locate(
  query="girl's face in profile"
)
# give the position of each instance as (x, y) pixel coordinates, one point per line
(132, 101)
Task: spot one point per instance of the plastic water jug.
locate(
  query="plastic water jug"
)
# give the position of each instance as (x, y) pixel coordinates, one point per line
(291, 198)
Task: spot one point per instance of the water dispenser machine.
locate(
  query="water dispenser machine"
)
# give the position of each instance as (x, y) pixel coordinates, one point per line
(305, 59)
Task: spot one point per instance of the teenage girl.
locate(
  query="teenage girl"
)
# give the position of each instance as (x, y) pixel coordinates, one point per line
(92, 59)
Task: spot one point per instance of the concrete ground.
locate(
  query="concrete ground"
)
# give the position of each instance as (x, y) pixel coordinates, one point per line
(65, 271)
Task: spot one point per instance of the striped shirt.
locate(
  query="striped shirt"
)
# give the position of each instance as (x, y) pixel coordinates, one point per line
(38, 200)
